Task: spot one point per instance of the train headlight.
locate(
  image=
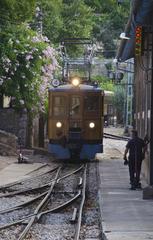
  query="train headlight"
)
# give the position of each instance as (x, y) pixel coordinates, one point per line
(58, 124)
(75, 82)
(91, 125)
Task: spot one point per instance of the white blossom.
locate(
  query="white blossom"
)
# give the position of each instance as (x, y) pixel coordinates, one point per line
(36, 39)
(10, 41)
(6, 70)
(45, 39)
(21, 101)
(28, 57)
(27, 65)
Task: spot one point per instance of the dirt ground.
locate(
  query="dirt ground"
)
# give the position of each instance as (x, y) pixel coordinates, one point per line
(7, 160)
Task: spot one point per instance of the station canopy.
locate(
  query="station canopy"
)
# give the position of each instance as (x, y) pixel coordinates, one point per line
(140, 15)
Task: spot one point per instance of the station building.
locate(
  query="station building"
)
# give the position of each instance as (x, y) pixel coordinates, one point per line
(137, 43)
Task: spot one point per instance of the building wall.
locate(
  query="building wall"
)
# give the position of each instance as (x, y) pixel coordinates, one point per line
(143, 77)
(14, 122)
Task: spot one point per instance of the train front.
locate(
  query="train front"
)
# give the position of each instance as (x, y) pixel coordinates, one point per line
(75, 123)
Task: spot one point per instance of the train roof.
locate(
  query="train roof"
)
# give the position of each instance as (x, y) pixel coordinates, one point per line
(81, 87)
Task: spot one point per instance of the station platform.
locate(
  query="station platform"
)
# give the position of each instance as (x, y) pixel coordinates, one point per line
(15, 172)
(124, 213)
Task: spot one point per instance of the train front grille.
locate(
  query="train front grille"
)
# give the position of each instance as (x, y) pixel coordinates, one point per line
(74, 134)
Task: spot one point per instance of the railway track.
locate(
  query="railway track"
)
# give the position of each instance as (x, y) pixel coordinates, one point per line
(115, 137)
(70, 183)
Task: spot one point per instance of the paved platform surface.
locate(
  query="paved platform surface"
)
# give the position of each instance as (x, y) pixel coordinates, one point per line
(15, 172)
(125, 215)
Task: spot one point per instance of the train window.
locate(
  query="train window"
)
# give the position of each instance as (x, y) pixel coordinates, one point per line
(59, 101)
(92, 103)
(75, 106)
(59, 106)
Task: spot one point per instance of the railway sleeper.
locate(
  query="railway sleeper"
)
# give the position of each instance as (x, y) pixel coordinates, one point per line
(80, 181)
(74, 216)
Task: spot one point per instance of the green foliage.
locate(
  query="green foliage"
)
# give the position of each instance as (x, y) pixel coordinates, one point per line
(119, 100)
(52, 21)
(104, 83)
(14, 12)
(77, 19)
(77, 23)
(109, 22)
(27, 65)
(102, 20)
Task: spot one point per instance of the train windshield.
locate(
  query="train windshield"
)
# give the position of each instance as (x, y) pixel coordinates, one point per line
(75, 106)
(91, 103)
(59, 106)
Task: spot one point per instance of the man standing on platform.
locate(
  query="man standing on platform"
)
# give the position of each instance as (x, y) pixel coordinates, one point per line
(136, 148)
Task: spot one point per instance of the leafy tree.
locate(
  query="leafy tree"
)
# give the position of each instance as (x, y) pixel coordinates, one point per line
(27, 66)
(109, 22)
(77, 19)
(104, 82)
(14, 12)
(63, 19)
(119, 100)
(28, 62)
(50, 14)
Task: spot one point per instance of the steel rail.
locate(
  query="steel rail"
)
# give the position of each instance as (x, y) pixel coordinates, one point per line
(4, 187)
(62, 206)
(112, 136)
(69, 174)
(24, 191)
(39, 207)
(78, 227)
(65, 176)
(22, 204)
(38, 215)
(36, 198)
(40, 187)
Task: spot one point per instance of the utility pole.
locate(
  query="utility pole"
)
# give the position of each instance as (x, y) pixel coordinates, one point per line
(39, 17)
(119, 2)
(39, 20)
(151, 122)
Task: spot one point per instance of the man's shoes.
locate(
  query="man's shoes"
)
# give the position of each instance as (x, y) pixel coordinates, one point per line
(133, 187)
(126, 162)
(138, 185)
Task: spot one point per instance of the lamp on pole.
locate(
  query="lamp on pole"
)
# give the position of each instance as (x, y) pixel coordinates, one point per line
(119, 2)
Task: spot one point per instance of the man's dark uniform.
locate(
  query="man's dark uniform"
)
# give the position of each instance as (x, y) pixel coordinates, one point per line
(135, 147)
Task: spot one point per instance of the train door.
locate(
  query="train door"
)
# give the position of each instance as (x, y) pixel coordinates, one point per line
(75, 113)
(75, 124)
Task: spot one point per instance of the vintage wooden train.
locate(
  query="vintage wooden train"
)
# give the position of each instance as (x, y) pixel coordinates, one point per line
(75, 122)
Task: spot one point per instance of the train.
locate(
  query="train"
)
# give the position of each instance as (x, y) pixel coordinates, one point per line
(75, 117)
(75, 121)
